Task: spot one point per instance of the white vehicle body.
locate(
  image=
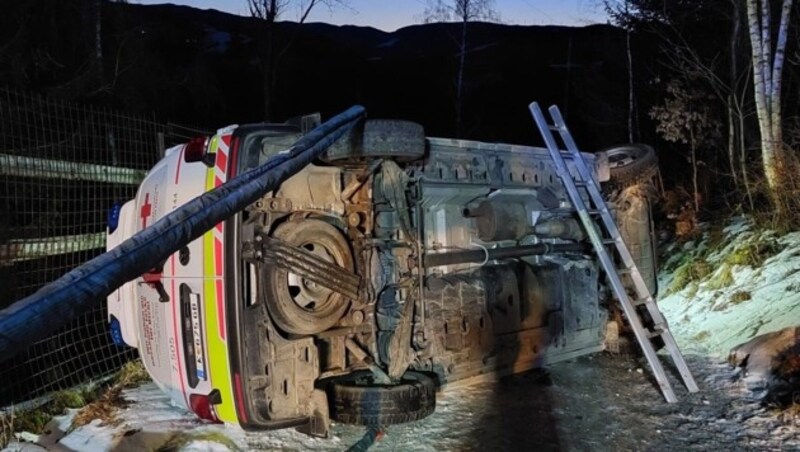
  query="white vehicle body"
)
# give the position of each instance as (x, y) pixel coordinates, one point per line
(238, 336)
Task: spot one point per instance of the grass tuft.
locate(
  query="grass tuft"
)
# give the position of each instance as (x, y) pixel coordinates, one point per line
(689, 272)
(722, 278)
(753, 252)
(94, 401)
(105, 407)
(35, 420)
(132, 374)
(740, 296)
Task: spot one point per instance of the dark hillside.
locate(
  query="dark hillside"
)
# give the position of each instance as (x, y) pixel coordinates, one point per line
(201, 67)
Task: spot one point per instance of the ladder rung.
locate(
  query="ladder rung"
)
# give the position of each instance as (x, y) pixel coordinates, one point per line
(627, 271)
(655, 333)
(581, 183)
(610, 242)
(640, 302)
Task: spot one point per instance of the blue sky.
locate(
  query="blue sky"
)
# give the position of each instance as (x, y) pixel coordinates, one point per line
(390, 15)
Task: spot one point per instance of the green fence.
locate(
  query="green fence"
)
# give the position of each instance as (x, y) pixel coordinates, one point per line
(63, 165)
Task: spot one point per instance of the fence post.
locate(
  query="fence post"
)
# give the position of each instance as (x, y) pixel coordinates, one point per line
(161, 149)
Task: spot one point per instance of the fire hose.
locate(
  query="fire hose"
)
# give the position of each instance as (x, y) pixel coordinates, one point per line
(56, 304)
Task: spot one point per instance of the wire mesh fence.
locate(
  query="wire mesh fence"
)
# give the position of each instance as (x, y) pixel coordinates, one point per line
(62, 167)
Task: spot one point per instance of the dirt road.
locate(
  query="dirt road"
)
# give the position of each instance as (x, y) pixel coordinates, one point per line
(593, 403)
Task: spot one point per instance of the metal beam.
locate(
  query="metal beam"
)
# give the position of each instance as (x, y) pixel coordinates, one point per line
(21, 166)
(18, 250)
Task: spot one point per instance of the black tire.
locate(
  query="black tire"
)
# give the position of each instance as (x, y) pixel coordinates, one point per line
(293, 304)
(630, 164)
(381, 138)
(354, 399)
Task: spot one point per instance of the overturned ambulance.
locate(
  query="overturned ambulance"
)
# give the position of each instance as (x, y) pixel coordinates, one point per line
(391, 267)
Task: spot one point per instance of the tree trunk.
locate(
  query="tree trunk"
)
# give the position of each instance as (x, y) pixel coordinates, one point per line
(732, 134)
(460, 77)
(268, 11)
(732, 142)
(760, 42)
(98, 35)
(268, 84)
(696, 195)
(92, 10)
(630, 85)
(775, 94)
(268, 67)
(743, 158)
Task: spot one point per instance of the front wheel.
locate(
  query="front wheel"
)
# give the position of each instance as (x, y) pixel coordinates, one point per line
(357, 399)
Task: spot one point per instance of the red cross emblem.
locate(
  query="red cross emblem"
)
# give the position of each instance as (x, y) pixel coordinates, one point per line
(146, 210)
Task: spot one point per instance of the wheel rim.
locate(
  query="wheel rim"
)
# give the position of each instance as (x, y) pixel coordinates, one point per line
(622, 157)
(306, 294)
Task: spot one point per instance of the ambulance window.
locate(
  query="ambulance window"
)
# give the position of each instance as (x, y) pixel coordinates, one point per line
(258, 146)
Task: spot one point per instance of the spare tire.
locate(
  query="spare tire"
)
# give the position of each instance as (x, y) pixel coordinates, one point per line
(631, 163)
(382, 138)
(356, 399)
(298, 306)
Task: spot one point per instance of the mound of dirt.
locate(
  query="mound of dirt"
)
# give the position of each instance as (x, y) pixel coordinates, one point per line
(771, 362)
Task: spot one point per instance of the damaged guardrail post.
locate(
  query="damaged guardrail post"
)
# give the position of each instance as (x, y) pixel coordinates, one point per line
(57, 303)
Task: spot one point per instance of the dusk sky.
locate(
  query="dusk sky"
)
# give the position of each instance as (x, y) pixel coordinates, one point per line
(390, 15)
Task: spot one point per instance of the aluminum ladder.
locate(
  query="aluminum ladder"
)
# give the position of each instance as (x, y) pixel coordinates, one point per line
(585, 179)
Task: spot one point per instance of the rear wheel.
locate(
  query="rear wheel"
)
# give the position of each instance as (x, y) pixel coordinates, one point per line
(630, 164)
(299, 306)
(356, 399)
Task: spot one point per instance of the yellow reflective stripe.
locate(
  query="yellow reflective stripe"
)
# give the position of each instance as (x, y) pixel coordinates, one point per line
(212, 147)
(218, 362)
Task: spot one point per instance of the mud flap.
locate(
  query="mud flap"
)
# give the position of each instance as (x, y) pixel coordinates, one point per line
(319, 424)
(400, 353)
(395, 323)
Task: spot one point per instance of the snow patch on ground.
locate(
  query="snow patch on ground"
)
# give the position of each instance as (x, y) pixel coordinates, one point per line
(593, 403)
(709, 319)
(93, 435)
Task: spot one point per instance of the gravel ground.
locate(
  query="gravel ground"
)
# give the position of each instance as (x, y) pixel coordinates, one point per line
(600, 402)
(592, 403)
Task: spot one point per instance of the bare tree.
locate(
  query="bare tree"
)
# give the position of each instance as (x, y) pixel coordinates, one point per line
(767, 78)
(687, 117)
(691, 60)
(463, 11)
(269, 12)
(620, 10)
